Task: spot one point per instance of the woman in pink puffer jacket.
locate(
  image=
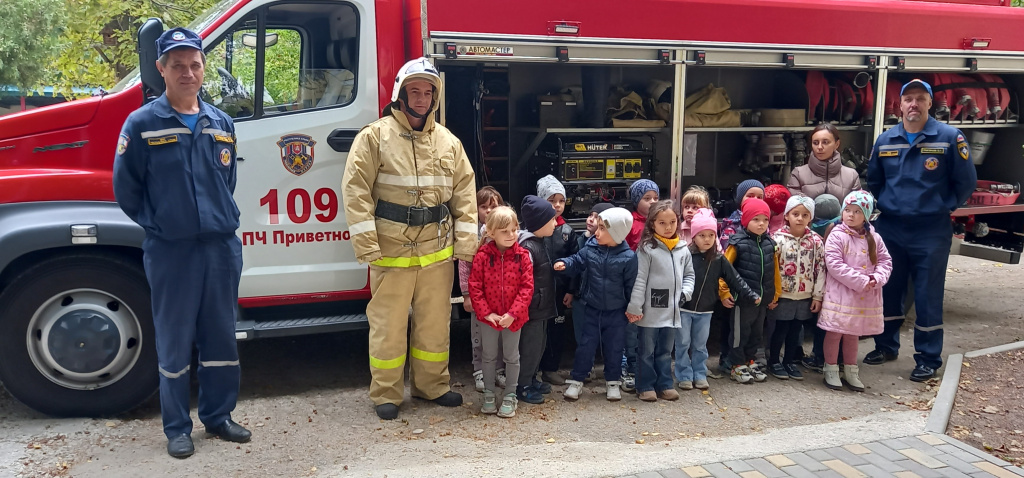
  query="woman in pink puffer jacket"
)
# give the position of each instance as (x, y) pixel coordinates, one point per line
(858, 266)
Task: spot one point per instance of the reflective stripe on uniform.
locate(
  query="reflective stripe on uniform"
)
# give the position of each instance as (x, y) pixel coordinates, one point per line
(466, 227)
(410, 181)
(428, 356)
(218, 132)
(173, 375)
(933, 145)
(928, 329)
(164, 132)
(363, 227)
(893, 146)
(898, 317)
(414, 261)
(387, 364)
(219, 363)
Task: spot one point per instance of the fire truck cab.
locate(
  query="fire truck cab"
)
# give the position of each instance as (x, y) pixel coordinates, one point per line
(702, 92)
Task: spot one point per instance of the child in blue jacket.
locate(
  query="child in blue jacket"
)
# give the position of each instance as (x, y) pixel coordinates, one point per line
(611, 267)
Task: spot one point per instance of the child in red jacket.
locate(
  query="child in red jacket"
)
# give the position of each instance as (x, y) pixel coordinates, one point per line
(501, 287)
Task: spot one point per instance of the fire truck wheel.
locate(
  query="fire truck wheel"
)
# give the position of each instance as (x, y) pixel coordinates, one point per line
(76, 336)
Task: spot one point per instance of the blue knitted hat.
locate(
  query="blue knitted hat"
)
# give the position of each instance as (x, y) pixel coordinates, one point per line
(639, 188)
(745, 186)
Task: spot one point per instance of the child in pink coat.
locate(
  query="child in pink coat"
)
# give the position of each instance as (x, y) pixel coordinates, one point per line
(858, 266)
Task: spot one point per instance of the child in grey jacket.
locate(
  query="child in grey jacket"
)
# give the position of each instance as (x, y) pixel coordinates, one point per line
(664, 281)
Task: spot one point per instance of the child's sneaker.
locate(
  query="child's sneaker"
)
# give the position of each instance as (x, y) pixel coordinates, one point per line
(589, 378)
(685, 385)
(613, 391)
(668, 394)
(754, 369)
(793, 371)
(508, 406)
(573, 391)
(489, 407)
(501, 378)
(778, 371)
(628, 383)
(543, 388)
(812, 364)
(478, 377)
(741, 374)
(701, 384)
(648, 396)
(529, 395)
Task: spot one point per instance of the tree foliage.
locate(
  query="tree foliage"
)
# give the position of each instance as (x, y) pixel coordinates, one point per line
(28, 38)
(98, 46)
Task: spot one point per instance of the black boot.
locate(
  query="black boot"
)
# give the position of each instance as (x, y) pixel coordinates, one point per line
(180, 446)
(387, 411)
(922, 373)
(449, 399)
(230, 431)
(878, 357)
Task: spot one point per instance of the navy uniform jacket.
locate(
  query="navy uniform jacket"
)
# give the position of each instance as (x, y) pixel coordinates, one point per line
(176, 183)
(933, 176)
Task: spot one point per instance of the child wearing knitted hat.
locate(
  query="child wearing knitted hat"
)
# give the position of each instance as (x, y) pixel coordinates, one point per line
(561, 243)
(643, 194)
(709, 267)
(826, 214)
(802, 269)
(610, 267)
(752, 251)
(776, 196)
(858, 266)
(748, 189)
(694, 199)
(538, 218)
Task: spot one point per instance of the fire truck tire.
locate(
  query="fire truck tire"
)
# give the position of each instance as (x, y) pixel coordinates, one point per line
(76, 336)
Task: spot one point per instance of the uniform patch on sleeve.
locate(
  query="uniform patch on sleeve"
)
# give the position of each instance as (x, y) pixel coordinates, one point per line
(960, 138)
(962, 148)
(122, 143)
(225, 157)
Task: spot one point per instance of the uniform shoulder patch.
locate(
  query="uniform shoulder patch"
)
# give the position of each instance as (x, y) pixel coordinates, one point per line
(960, 138)
(122, 143)
(963, 149)
(225, 157)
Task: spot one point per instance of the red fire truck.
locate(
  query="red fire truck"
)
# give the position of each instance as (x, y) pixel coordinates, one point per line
(527, 87)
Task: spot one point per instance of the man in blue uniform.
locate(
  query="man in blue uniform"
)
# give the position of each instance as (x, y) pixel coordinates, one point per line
(174, 174)
(920, 171)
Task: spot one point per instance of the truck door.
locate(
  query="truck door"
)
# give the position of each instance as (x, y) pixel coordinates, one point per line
(299, 77)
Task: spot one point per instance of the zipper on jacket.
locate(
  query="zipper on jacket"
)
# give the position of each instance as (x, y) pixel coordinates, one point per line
(760, 249)
(502, 283)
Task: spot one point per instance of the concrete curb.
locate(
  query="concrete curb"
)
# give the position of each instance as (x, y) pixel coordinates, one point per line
(994, 350)
(938, 419)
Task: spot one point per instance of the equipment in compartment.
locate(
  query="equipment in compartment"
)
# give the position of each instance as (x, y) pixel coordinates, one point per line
(972, 98)
(594, 169)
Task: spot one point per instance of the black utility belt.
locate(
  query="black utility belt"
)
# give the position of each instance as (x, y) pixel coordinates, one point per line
(411, 215)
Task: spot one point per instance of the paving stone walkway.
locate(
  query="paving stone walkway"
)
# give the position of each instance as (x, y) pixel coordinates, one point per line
(923, 456)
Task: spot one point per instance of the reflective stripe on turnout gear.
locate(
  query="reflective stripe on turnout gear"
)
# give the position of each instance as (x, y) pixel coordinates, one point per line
(219, 363)
(428, 356)
(387, 364)
(414, 261)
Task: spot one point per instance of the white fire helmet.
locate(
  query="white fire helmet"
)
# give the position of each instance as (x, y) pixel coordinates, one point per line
(419, 68)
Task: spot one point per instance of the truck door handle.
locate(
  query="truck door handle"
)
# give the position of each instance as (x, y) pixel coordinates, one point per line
(340, 140)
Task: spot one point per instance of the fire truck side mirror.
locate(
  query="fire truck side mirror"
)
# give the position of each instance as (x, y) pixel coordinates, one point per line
(152, 82)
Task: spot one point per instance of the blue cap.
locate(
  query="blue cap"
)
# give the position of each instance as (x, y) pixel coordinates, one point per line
(917, 83)
(177, 38)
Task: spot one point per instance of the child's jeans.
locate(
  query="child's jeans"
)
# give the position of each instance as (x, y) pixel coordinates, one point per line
(605, 328)
(629, 354)
(474, 336)
(654, 358)
(692, 338)
(747, 332)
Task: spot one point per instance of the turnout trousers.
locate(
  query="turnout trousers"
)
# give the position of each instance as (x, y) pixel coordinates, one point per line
(195, 299)
(919, 247)
(422, 337)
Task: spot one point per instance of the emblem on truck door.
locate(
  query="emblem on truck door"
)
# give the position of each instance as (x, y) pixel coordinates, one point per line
(297, 153)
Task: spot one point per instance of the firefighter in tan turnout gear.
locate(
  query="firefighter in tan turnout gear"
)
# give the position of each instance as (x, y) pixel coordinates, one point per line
(410, 200)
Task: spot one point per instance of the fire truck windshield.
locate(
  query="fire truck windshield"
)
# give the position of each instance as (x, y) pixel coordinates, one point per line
(200, 23)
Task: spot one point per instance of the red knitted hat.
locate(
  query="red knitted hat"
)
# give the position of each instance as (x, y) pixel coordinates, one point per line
(776, 196)
(752, 208)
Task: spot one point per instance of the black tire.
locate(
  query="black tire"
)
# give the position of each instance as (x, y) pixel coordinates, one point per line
(34, 293)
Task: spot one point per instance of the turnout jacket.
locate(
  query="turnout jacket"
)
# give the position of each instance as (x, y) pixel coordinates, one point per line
(390, 161)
